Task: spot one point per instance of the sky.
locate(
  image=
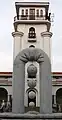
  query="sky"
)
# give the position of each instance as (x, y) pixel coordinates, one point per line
(7, 13)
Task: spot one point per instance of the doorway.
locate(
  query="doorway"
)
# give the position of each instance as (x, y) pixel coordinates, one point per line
(32, 14)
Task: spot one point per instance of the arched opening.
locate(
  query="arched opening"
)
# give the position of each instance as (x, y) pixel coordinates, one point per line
(32, 98)
(41, 13)
(26, 12)
(22, 12)
(37, 12)
(32, 46)
(59, 99)
(3, 95)
(32, 33)
(32, 55)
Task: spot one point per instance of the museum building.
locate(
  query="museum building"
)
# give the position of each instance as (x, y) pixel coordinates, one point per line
(32, 30)
(6, 87)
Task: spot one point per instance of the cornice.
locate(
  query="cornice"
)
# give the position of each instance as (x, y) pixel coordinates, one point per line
(17, 34)
(46, 34)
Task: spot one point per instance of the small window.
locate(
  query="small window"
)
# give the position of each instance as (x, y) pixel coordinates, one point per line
(26, 12)
(22, 12)
(41, 13)
(37, 13)
(32, 33)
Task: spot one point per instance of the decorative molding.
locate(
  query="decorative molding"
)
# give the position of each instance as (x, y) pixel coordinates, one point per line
(30, 54)
(14, 34)
(46, 34)
(32, 22)
(32, 4)
(32, 40)
(43, 22)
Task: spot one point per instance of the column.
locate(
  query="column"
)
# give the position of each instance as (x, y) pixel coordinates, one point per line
(17, 43)
(47, 43)
(55, 99)
(59, 108)
(8, 97)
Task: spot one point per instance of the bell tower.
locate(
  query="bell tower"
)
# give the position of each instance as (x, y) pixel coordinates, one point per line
(32, 26)
(32, 54)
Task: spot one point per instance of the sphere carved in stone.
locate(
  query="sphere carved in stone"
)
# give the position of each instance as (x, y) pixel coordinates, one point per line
(32, 70)
(32, 95)
(31, 104)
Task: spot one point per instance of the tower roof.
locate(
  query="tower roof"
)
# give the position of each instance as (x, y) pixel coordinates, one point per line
(39, 4)
(32, 0)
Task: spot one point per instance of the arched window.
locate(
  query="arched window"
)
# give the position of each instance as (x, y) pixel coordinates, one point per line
(41, 13)
(26, 12)
(59, 99)
(3, 95)
(37, 12)
(32, 33)
(22, 12)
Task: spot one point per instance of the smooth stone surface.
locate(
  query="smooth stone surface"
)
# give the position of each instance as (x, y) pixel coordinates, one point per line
(32, 95)
(31, 104)
(23, 57)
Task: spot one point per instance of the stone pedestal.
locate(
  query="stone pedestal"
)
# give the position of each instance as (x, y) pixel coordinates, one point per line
(54, 99)
(8, 98)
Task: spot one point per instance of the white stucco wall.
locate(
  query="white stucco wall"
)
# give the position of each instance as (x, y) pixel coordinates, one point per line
(38, 30)
(16, 45)
(47, 45)
(21, 43)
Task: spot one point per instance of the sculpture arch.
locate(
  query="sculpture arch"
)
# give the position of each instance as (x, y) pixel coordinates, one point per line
(37, 55)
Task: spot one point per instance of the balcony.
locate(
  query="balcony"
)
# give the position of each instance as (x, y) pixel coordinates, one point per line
(32, 19)
(29, 17)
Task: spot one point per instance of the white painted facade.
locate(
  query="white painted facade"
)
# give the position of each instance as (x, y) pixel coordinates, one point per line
(42, 42)
(42, 37)
(22, 39)
(20, 42)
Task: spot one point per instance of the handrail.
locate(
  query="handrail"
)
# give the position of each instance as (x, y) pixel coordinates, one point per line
(30, 116)
(29, 17)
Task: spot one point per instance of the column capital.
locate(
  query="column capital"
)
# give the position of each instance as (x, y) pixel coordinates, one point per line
(46, 34)
(14, 34)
